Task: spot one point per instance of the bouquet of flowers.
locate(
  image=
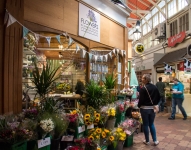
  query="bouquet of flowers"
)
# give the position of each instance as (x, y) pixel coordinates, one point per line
(127, 91)
(81, 143)
(136, 115)
(111, 112)
(30, 113)
(12, 132)
(122, 106)
(129, 126)
(91, 116)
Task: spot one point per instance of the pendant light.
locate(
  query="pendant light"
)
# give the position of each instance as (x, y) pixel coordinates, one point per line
(137, 33)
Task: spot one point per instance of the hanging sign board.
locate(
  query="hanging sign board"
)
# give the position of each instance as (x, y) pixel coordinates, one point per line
(167, 69)
(89, 23)
(173, 40)
(139, 48)
(119, 78)
(187, 66)
(119, 67)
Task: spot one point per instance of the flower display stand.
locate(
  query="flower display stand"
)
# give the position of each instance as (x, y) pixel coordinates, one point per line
(17, 146)
(119, 118)
(129, 141)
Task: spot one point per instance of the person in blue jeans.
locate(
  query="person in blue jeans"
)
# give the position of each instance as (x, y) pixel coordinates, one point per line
(146, 102)
(177, 99)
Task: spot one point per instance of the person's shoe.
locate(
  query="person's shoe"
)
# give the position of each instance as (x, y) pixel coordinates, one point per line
(156, 143)
(170, 118)
(184, 118)
(146, 143)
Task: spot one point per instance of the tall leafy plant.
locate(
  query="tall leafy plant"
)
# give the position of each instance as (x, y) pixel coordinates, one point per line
(110, 81)
(95, 94)
(44, 78)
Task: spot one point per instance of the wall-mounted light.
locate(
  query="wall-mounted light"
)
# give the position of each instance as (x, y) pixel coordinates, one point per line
(60, 55)
(60, 46)
(119, 2)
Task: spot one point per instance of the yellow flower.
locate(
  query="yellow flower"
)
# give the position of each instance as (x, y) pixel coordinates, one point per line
(97, 137)
(98, 148)
(74, 112)
(122, 139)
(103, 135)
(97, 115)
(106, 131)
(111, 138)
(87, 116)
(97, 120)
(119, 130)
(91, 137)
(86, 120)
(98, 130)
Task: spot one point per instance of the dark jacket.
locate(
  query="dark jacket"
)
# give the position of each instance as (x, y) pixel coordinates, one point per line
(144, 99)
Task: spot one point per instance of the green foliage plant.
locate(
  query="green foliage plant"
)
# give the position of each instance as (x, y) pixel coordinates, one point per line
(110, 81)
(96, 95)
(44, 79)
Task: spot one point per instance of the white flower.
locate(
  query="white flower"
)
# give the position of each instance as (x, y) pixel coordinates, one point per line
(47, 125)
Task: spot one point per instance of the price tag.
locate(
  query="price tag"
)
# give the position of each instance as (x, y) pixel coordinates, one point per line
(90, 126)
(81, 129)
(43, 142)
(67, 138)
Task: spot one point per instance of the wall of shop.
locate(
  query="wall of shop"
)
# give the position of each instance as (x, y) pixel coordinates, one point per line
(63, 15)
(11, 48)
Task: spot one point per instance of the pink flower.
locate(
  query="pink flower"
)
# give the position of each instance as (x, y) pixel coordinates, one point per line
(128, 132)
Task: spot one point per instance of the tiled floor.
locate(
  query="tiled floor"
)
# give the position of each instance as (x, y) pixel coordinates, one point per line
(172, 134)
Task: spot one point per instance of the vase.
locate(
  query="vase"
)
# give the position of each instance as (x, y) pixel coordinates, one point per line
(55, 144)
(110, 124)
(120, 145)
(119, 118)
(129, 141)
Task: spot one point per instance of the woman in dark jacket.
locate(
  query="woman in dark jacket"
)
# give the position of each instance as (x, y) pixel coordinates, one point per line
(146, 108)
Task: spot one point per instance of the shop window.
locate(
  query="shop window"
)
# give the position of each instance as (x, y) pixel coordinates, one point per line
(182, 4)
(173, 28)
(144, 29)
(172, 8)
(155, 20)
(161, 17)
(184, 23)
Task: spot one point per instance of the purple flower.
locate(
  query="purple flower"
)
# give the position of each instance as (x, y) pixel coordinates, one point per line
(91, 16)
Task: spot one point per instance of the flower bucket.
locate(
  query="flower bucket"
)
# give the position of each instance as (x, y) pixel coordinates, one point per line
(110, 124)
(31, 145)
(55, 143)
(17, 146)
(129, 141)
(120, 145)
(104, 147)
(119, 118)
(79, 131)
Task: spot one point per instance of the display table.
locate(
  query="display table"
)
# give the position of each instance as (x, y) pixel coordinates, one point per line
(68, 101)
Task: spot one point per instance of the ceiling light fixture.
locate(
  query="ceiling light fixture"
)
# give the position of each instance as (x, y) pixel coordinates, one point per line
(120, 3)
(137, 33)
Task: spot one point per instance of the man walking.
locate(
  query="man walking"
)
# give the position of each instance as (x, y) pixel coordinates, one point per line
(161, 87)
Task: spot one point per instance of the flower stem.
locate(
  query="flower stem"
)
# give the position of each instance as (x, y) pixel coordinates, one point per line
(87, 29)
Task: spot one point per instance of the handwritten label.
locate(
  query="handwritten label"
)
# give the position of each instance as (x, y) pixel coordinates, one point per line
(90, 126)
(81, 129)
(67, 138)
(43, 142)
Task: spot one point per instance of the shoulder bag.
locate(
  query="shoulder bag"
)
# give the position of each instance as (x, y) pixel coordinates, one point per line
(155, 107)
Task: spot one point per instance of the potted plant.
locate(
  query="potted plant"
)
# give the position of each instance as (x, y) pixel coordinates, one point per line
(43, 79)
(95, 94)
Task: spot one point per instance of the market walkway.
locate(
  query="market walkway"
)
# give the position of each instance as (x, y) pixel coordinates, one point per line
(172, 134)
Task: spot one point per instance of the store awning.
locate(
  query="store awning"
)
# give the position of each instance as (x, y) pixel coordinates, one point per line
(172, 57)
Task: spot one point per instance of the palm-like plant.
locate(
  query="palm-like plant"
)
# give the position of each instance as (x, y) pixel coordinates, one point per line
(44, 79)
(95, 94)
(110, 81)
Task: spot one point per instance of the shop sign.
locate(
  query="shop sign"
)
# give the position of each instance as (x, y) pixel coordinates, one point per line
(89, 23)
(167, 69)
(173, 40)
(187, 66)
(139, 48)
(181, 66)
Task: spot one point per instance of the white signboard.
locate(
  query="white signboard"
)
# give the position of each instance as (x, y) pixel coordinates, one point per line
(68, 138)
(89, 23)
(119, 79)
(43, 142)
(119, 67)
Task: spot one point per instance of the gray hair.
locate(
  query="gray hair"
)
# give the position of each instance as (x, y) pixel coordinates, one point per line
(147, 77)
